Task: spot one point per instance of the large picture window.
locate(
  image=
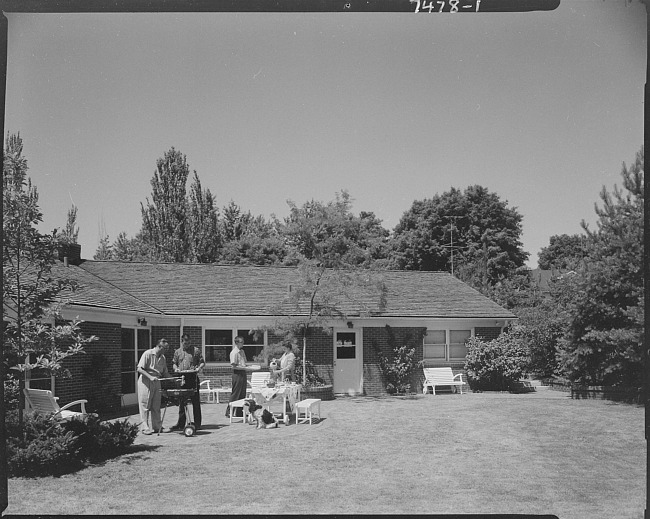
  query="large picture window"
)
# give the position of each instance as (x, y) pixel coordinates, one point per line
(218, 343)
(445, 345)
(435, 344)
(457, 343)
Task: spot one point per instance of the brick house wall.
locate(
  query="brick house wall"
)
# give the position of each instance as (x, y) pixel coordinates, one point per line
(487, 333)
(320, 352)
(221, 376)
(95, 374)
(377, 338)
(173, 336)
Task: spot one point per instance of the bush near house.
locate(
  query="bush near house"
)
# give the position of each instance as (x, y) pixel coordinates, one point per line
(12, 393)
(43, 447)
(398, 371)
(498, 364)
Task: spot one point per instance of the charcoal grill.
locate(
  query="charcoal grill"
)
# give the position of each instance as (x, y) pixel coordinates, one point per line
(181, 389)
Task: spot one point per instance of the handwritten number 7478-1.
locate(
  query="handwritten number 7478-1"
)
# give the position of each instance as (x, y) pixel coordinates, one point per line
(453, 6)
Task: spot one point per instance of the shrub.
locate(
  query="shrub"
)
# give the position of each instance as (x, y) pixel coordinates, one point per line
(541, 329)
(398, 371)
(12, 393)
(102, 440)
(51, 447)
(498, 364)
(114, 438)
(42, 447)
(313, 377)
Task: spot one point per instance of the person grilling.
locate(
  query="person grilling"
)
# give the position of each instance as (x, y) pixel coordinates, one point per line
(188, 358)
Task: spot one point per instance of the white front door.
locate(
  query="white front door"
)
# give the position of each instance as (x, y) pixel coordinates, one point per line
(347, 362)
(134, 343)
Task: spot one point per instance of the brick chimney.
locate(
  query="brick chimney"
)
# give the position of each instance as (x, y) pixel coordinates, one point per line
(70, 253)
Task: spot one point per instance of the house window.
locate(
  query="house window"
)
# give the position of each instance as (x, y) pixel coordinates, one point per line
(457, 343)
(38, 378)
(346, 345)
(445, 345)
(435, 344)
(218, 343)
(134, 344)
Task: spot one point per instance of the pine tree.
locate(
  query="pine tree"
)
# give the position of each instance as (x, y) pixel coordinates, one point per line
(71, 232)
(204, 234)
(604, 299)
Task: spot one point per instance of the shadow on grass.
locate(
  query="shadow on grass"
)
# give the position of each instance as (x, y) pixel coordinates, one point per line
(131, 454)
(211, 427)
(379, 398)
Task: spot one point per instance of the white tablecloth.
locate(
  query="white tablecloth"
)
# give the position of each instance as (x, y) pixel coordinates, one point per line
(287, 393)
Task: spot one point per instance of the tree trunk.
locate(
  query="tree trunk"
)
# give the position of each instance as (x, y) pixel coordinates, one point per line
(304, 359)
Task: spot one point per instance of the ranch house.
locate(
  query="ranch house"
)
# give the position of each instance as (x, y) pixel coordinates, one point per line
(129, 306)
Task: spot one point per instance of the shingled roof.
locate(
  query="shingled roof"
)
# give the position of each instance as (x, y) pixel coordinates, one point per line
(233, 290)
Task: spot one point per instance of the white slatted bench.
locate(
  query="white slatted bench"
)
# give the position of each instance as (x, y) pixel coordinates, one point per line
(441, 377)
(309, 407)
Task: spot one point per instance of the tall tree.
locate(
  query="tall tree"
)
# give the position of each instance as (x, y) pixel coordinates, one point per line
(71, 232)
(564, 252)
(104, 249)
(333, 278)
(33, 335)
(331, 234)
(204, 233)
(473, 232)
(131, 249)
(164, 219)
(236, 224)
(603, 300)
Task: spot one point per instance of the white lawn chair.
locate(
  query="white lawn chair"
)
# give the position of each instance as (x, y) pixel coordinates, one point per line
(45, 402)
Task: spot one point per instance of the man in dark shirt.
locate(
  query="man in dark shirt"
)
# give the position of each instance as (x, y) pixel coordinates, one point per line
(188, 358)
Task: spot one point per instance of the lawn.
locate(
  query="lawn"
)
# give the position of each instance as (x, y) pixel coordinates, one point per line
(496, 453)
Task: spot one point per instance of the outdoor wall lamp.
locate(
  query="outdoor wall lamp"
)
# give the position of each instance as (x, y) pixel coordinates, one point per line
(350, 325)
(142, 321)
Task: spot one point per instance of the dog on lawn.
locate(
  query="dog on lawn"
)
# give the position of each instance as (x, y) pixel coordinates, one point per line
(263, 418)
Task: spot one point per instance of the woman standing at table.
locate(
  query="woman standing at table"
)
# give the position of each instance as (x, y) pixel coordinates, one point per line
(287, 363)
(239, 369)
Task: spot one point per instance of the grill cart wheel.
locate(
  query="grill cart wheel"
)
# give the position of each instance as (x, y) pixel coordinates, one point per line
(189, 430)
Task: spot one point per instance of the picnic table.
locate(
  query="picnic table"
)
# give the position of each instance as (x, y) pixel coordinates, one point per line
(285, 393)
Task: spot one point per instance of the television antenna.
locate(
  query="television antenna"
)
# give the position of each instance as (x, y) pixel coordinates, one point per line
(451, 247)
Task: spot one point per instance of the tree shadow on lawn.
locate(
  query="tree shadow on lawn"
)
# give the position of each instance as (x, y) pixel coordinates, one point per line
(131, 454)
(379, 398)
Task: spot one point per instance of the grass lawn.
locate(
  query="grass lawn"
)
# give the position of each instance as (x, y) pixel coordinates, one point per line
(493, 453)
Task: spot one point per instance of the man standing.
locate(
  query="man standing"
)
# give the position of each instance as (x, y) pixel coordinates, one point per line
(188, 358)
(152, 367)
(239, 369)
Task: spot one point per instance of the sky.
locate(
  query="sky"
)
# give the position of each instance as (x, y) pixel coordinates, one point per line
(541, 108)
